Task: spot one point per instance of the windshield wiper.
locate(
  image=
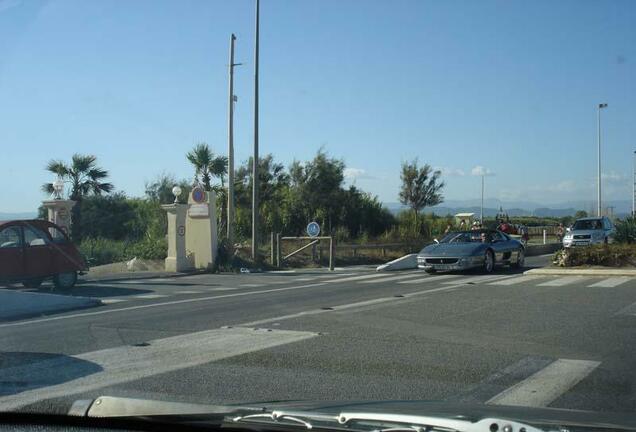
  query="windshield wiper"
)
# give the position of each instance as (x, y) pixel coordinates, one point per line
(385, 422)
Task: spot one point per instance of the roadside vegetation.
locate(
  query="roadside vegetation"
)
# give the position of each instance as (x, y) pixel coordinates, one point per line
(111, 226)
(621, 253)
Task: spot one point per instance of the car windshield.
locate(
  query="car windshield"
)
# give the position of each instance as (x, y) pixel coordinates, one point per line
(245, 201)
(587, 224)
(463, 237)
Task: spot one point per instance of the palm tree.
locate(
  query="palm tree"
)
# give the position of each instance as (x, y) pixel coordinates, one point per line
(207, 165)
(84, 178)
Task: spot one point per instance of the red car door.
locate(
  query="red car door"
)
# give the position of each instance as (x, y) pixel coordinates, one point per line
(66, 257)
(38, 255)
(11, 252)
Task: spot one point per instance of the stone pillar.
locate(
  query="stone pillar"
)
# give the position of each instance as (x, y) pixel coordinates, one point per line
(59, 212)
(201, 230)
(177, 259)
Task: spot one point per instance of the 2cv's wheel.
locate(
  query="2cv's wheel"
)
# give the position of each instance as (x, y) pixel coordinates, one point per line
(65, 281)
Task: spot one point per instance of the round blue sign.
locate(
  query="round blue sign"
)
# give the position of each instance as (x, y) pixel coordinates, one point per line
(198, 195)
(313, 229)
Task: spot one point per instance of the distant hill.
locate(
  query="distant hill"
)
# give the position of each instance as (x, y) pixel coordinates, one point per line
(518, 208)
(22, 215)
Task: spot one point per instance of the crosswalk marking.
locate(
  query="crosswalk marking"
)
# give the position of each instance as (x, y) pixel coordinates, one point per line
(150, 296)
(112, 366)
(429, 279)
(188, 292)
(357, 278)
(545, 386)
(392, 278)
(565, 280)
(480, 279)
(610, 282)
(251, 285)
(516, 280)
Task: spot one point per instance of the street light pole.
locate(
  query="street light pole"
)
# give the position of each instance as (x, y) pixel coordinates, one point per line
(598, 172)
(481, 214)
(255, 160)
(634, 185)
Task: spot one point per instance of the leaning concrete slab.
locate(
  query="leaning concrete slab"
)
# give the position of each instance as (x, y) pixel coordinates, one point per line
(403, 263)
(19, 305)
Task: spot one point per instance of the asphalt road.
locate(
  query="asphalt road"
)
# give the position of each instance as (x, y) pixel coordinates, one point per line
(354, 334)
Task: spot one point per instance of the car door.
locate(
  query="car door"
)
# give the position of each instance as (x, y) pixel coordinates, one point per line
(11, 252)
(498, 246)
(38, 260)
(65, 256)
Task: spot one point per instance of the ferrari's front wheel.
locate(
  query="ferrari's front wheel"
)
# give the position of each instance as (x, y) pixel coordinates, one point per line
(489, 262)
(430, 270)
(521, 259)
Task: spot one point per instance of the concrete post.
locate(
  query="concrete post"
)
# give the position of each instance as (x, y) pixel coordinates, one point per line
(272, 248)
(332, 253)
(544, 237)
(278, 250)
(177, 259)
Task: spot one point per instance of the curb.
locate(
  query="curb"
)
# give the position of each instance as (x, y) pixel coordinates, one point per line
(149, 275)
(581, 272)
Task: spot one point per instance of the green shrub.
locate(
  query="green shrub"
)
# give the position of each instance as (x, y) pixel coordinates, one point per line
(626, 230)
(149, 248)
(614, 255)
(98, 251)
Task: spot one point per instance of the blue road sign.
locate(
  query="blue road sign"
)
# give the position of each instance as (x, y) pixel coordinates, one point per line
(313, 229)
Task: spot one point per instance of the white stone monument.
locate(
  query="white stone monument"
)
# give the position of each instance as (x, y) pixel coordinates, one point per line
(59, 210)
(192, 231)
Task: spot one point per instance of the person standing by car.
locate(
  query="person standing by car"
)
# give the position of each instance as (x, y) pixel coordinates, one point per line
(448, 229)
(560, 232)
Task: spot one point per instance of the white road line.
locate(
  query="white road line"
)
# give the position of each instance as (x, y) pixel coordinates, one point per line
(345, 306)
(480, 279)
(429, 279)
(126, 363)
(516, 280)
(250, 285)
(565, 280)
(611, 282)
(393, 278)
(188, 292)
(149, 296)
(627, 310)
(545, 386)
(153, 305)
(112, 300)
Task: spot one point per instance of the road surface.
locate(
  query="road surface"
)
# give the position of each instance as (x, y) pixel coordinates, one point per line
(506, 338)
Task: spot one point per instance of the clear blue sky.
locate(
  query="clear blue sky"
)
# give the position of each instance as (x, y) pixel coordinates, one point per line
(511, 86)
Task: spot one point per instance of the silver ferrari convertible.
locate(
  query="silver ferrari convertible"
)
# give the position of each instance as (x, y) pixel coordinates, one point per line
(465, 250)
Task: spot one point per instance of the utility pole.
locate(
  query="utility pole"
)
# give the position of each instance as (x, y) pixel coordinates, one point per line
(230, 151)
(598, 199)
(255, 160)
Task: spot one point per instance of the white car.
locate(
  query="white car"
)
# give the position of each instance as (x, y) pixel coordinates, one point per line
(591, 230)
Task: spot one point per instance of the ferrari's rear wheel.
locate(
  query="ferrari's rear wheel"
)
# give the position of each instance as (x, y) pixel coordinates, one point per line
(489, 262)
